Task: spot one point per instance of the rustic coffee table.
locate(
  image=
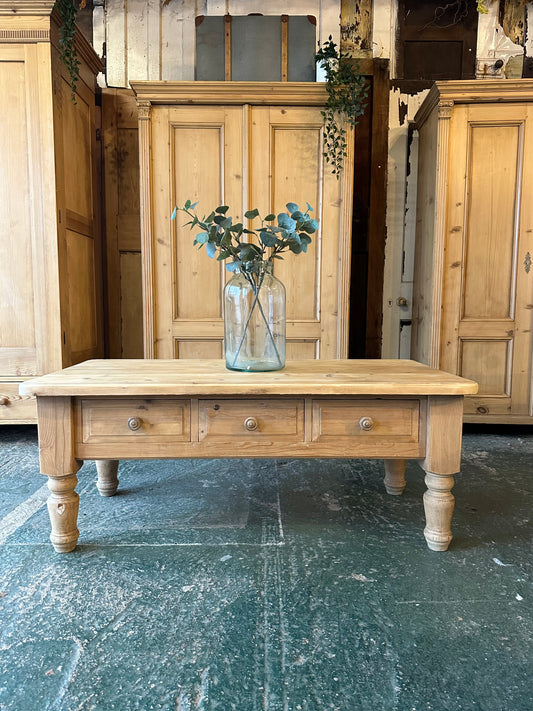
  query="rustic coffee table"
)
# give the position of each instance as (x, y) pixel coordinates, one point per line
(108, 410)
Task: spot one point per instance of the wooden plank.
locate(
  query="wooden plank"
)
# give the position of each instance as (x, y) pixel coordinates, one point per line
(187, 377)
(110, 189)
(131, 312)
(227, 47)
(208, 92)
(284, 48)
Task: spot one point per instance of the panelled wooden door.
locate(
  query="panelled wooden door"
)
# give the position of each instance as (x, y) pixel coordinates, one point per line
(242, 156)
(488, 279)
(19, 256)
(197, 154)
(286, 163)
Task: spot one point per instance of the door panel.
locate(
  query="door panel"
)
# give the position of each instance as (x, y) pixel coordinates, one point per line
(286, 145)
(17, 317)
(198, 152)
(487, 317)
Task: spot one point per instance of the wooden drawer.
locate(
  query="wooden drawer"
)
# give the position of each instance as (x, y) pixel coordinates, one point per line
(15, 408)
(122, 419)
(251, 420)
(392, 420)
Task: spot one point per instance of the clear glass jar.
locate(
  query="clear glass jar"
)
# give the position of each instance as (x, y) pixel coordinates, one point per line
(254, 319)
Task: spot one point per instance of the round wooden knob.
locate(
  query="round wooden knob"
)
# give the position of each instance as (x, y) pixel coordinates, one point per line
(250, 423)
(366, 423)
(134, 423)
(4, 400)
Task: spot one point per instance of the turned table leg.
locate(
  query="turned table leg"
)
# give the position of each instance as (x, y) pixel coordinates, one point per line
(395, 476)
(107, 483)
(442, 461)
(63, 505)
(56, 455)
(438, 505)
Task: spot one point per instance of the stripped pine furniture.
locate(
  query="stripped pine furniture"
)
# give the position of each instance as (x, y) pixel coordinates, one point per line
(107, 410)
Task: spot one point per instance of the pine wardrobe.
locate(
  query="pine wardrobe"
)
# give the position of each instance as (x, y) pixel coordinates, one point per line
(473, 290)
(246, 145)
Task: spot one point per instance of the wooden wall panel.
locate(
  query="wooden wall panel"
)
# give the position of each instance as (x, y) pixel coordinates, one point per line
(198, 349)
(82, 304)
(491, 227)
(17, 322)
(131, 312)
(488, 363)
(77, 125)
(193, 270)
(122, 223)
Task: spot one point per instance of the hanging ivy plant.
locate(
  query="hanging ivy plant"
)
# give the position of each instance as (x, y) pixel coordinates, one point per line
(347, 97)
(67, 48)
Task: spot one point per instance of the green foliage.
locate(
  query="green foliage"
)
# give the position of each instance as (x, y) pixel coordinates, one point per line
(224, 240)
(67, 32)
(347, 97)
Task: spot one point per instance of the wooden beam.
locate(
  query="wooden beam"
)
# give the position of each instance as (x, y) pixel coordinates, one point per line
(284, 46)
(227, 47)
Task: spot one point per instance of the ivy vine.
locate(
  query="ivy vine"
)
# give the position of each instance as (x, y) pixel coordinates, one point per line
(347, 97)
(67, 49)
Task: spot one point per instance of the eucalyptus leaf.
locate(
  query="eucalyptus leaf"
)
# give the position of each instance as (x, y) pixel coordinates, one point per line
(270, 217)
(292, 207)
(211, 249)
(269, 240)
(222, 209)
(250, 214)
(285, 221)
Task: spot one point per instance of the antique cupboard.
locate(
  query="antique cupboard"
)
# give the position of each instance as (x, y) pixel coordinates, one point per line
(245, 145)
(50, 314)
(473, 291)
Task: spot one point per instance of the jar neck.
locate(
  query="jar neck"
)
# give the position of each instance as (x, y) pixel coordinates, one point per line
(256, 267)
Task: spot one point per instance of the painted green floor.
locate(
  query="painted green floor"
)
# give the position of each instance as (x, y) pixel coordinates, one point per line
(268, 586)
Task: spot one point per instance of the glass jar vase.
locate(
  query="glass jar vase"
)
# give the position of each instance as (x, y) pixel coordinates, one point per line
(254, 319)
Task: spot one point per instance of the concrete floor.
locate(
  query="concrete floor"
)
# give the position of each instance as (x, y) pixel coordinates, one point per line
(272, 586)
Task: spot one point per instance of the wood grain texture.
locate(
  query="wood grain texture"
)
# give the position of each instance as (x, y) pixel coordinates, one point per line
(473, 291)
(50, 243)
(188, 377)
(199, 409)
(253, 148)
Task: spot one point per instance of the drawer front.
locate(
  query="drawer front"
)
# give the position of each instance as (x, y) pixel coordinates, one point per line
(392, 420)
(15, 408)
(119, 420)
(251, 420)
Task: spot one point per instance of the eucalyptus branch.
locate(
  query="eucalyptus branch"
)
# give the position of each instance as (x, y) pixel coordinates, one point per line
(225, 240)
